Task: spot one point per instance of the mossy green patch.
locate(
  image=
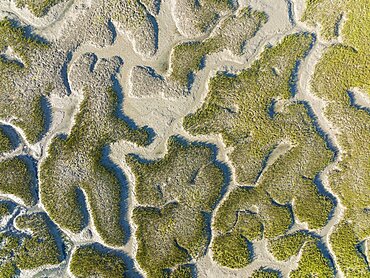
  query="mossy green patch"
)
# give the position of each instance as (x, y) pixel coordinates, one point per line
(131, 14)
(187, 57)
(231, 250)
(88, 261)
(41, 247)
(286, 246)
(175, 194)
(29, 250)
(26, 109)
(265, 273)
(202, 16)
(274, 141)
(247, 214)
(37, 7)
(342, 68)
(77, 163)
(346, 246)
(312, 263)
(5, 210)
(346, 18)
(16, 178)
(5, 143)
(326, 13)
(183, 271)
(15, 37)
(255, 204)
(8, 270)
(237, 107)
(35, 129)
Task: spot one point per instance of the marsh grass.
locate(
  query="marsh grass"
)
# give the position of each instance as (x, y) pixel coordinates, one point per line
(286, 246)
(175, 194)
(238, 107)
(96, 126)
(38, 8)
(89, 261)
(27, 109)
(16, 178)
(5, 142)
(266, 273)
(27, 250)
(313, 263)
(188, 58)
(342, 67)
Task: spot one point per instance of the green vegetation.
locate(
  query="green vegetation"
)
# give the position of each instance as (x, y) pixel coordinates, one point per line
(130, 13)
(286, 246)
(326, 13)
(208, 13)
(33, 131)
(88, 261)
(9, 243)
(37, 7)
(231, 250)
(275, 145)
(351, 15)
(8, 270)
(235, 109)
(265, 273)
(312, 263)
(236, 30)
(16, 179)
(272, 142)
(25, 108)
(135, 18)
(28, 251)
(238, 222)
(5, 210)
(187, 58)
(175, 194)
(231, 35)
(157, 247)
(5, 143)
(39, 249)
(345, 246)
(77, 163)
(199, 17)
(347, 66)
(246, 209)
(183, 271)
(15, 37)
